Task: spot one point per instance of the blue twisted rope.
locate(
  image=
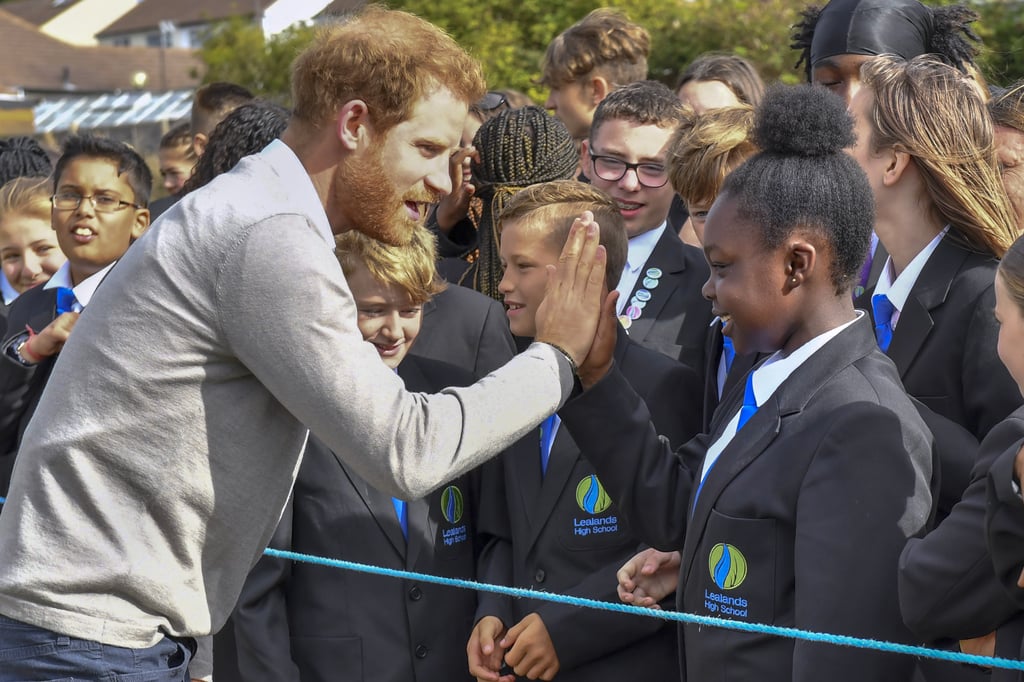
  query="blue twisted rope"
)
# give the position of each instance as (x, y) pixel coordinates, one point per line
(792, 633)
(679, 617)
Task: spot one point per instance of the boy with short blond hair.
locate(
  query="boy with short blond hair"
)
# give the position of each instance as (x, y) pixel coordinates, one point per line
(375, 628)
(544, 507)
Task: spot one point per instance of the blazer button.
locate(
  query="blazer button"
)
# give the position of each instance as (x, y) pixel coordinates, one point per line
(415, 594)
(539, 576)
(421, 651)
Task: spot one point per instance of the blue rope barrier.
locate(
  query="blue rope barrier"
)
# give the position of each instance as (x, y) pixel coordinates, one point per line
(677, 616)
(760, 628)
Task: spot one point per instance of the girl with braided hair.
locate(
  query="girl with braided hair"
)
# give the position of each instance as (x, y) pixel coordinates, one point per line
(518, 148)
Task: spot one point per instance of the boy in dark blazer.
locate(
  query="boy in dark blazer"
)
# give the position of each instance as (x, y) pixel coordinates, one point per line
(301, 621)
(555, 527)
(626, 155)
(817, 469)
(101, 189)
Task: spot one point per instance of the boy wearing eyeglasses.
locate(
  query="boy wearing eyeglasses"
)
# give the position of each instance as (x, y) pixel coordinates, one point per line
(660, 302)
(101, 190)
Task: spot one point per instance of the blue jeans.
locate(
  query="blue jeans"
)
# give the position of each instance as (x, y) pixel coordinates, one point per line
(31, 654)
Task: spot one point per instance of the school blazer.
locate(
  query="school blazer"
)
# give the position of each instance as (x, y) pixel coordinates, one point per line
(553, 543)
(945, 343)
(799, 523)
(302, 621)
(20, 386)
(947, 586)
(467, 329)
(675, 321)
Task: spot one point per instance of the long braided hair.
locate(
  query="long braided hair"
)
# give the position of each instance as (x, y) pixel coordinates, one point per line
(518, 148)
(22, 157)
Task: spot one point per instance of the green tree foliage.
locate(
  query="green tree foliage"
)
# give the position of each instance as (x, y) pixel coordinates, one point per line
(236, 51)
(509, 38)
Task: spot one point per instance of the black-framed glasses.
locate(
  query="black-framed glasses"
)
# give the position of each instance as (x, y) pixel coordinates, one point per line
(611, 169)
(102, 203)
(492, 101)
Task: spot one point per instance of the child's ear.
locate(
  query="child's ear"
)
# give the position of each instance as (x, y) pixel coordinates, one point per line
(897, 164)
(801, 261)
(599, 89)
(141, 222)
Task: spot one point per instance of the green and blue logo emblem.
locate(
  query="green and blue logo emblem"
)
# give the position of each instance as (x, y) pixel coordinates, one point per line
(591, 496)
(452, 504)
(728, 566)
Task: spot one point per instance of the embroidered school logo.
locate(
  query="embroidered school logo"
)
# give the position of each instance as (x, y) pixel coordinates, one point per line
(591, 496)
(728, 566)
(452, 504)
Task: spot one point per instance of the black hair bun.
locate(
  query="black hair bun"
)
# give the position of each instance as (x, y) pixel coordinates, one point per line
(802, 120)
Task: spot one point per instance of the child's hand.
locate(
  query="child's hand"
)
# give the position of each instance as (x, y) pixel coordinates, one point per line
(599, 359)
(531, 653)
(649, 577)
(455, 206)
(48, 342)
(484, 655)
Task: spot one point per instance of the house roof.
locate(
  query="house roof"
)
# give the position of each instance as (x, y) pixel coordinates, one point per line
(340, 7)
(148, 14)
(35, 62)
(37, 12)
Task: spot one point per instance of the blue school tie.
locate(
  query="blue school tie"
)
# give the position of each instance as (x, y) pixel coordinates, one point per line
(548, 430)
(66, 301)
(883, 309)
(749, 403)
(729, 352)
(747, 411)
(402, 512)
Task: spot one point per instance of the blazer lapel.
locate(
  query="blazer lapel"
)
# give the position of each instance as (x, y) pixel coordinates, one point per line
(671, 263)
(381, 508)
(422, 528)
(765, 425)
(564, 454)
(929, 291)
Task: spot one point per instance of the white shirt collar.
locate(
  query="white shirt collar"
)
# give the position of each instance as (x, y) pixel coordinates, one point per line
(899, 290)
(642, 246)
(298, 184)
(85, 289)
(777, 368)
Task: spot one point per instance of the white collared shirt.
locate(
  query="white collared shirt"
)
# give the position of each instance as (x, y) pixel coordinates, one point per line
(767, 378)
(85, 289)
(898, 291)
(640, 249)
(296, 180)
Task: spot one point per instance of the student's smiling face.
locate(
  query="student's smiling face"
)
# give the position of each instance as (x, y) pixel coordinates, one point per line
(387, 317)
(525, 251)
(747, 284)
(29, 253)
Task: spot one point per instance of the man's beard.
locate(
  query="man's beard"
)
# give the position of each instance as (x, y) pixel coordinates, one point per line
(370, 203)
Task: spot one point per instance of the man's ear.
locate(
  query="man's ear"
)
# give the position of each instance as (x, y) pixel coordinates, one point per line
(353, 123)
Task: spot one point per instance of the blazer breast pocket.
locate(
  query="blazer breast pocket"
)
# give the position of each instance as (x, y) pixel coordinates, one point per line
(733, 573)
(592, 520)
